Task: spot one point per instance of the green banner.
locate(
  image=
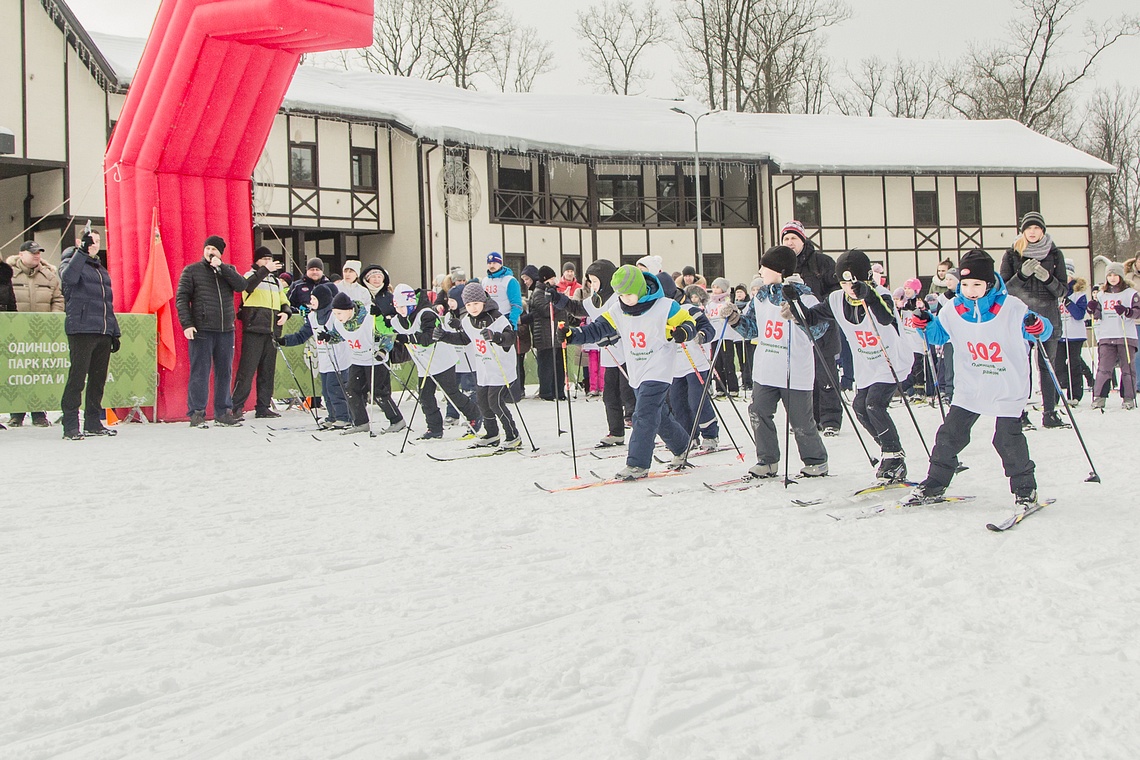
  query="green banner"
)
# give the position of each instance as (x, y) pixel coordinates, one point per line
(34, 362)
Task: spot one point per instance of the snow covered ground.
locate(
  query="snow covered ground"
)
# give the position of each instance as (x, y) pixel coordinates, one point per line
(280, 597)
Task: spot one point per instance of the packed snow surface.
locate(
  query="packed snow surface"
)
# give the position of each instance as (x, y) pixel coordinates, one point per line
(612, 126)
(250, 593)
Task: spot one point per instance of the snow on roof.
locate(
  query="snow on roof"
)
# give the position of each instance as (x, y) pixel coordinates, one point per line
(611, 126)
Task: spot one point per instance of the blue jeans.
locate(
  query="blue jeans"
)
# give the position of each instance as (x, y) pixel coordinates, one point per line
(332, 388)
(684, 396)
(216, 350)
(652, 418)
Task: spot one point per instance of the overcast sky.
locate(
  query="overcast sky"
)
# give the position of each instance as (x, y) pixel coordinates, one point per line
(923, 30)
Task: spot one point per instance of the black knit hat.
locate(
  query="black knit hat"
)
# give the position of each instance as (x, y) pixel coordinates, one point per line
(217, 242)
(545, 273)
(780, 259)
(1033, 218)
(262, 253)
(325, 293)
(315, 263)
(342, 301)
(977, 265)
(690, 271)
(855, 262)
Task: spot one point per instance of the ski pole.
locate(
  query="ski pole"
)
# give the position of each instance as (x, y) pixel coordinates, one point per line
(723, 422)
(787, 415)
(731, 402)
(929, 364)
(289, 366)
(898, 385)
(706, 392)
(569, 406)
(312, 380)
(424, 379)
(506, 383)
(797, 314)
(554, 356)
(1093, 477)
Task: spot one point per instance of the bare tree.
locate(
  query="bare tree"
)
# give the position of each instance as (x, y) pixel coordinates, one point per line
(755, 55)
(1023, 77)
(1112, 130)
(402, 37)
(615, 34)
(464, 34)
(906, 89)
(520, 57)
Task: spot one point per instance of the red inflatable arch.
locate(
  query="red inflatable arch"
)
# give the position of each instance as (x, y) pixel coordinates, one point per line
(196, 119)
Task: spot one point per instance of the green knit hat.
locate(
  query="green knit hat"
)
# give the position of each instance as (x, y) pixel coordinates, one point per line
(629, 280)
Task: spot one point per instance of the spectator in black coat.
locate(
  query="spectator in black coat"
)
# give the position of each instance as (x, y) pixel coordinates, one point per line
(542, 319)
(7, 293)
(301, 290)
(817, 270)
(205, 301)
(92, 335)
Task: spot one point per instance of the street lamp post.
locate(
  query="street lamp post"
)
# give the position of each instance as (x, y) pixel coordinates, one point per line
(696, 173)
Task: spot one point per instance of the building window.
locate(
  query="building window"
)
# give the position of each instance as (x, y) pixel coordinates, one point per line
(712, 266)
(925, 208)
(1027, 200)
(363, 169)
(619, 199)
(516, 262)
(806, 207)
(668, 200)
(631, 258)
(519, 180)
(969, 208)
(303, 164)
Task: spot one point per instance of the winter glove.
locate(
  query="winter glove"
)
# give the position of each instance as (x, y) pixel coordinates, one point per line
(374, 310)
(437, 333)
(116, 344)
(526, 318)
(1033, 324)
(385, 342)
(730, 313)
(1119, 308)
(790, 292)
(921, 318)
(1033, 268)
(683, 332)
(861, 290)
(785, 311)
(559, 300)
(564, 332)
(490, 335)
(324, 336)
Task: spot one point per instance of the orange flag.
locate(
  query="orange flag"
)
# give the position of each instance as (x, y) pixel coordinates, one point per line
(155, 294)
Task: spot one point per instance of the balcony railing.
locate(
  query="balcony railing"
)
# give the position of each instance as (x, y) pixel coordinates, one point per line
(523, 207)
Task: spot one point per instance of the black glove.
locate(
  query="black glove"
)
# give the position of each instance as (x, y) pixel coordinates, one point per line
(1033, 325)
(565, 332)
(791, 295)
(526, 318)
(324, 336)
(1119, 308)
(437, 333)
(374, 310)
(683, 332)
(276, 339)
(861, 290)
(489, 335)
(559, 300)
(116, 344)
(921, 318)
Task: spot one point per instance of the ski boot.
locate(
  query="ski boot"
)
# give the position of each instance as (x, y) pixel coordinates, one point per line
(1053, 420)
(679, 461)
(512, 443)
(431, 434)
(395, 427)
(1129, 404)
(1098, 403)
(924, 493)
(632, 473)
(486, 441)
(1024, 499)
(610, 440)
(354, 429)
(760, 471)
(814, 470)
(709, 444)
(892, 467)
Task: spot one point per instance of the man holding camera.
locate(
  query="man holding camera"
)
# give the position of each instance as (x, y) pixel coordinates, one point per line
(205, 301)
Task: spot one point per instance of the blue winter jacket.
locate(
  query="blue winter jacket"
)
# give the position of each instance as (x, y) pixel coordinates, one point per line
(514, 294)
(980, 311)
(87, 299)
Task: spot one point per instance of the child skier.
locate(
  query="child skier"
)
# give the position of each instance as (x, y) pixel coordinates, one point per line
(645, 322)
(367, 344)
(414, 324)
(864, 315)
(332, 355)
(1114, 309)
(988, 328)
(617, 397)
(693, 370)
(490, 342)
(783, 369)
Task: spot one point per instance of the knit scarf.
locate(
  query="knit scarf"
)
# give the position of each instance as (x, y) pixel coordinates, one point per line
(1040, 249)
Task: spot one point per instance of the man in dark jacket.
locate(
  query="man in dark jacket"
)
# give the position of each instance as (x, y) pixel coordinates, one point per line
(92, 335)
(264, 308)
(543, 319)
(205, 301)
(817, 270)
(301, 290)
(1034, 271)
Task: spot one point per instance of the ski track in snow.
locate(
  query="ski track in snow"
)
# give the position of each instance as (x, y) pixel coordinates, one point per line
(278, 596)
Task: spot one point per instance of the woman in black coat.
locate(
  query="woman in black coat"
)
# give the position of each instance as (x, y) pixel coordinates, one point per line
(92, 336)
